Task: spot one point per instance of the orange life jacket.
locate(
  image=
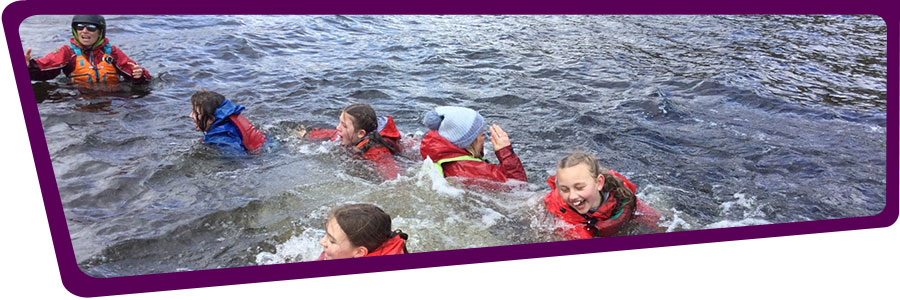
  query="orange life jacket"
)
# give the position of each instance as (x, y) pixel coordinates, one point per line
(92, 73)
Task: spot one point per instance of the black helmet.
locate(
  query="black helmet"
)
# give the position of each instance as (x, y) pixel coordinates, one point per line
(90, 19)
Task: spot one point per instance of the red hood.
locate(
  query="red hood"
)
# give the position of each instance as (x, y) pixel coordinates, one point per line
(390, 130)
(76, 43)
(438, 148)
(392, 246)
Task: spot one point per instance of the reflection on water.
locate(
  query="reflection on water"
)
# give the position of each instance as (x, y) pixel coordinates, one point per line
(719, 120)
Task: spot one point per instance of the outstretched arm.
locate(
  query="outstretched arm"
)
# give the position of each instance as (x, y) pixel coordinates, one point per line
(49, 66)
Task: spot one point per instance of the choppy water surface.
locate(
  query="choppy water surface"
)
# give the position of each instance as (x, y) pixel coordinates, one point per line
(719, 120)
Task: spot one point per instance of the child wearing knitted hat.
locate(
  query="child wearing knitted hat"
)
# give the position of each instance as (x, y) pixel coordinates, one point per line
(456, 144)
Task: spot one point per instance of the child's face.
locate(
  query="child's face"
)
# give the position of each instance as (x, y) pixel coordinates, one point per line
(336, 245)
(578, 188)
(348, 134)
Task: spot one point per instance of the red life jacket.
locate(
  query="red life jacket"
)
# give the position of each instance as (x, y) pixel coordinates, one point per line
(252, 138)
(384, 160)
(437, 148)
(607, 220)
(394, 245)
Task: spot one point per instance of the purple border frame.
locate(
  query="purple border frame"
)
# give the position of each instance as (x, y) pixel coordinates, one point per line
(83, 285)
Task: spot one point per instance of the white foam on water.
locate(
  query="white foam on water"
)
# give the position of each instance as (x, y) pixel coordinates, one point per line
(676, 222)
(304, 247)
(748, 204)
(490, 217)
(742, 200)
(429, 172)
(744, 222)
(316, 148)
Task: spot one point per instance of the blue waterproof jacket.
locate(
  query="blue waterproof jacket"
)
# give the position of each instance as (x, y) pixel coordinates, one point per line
(227, 135)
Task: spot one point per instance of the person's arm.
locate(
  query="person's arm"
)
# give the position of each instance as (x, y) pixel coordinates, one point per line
(49, 66)
(317, 134)
(510, 164)
(128, 68)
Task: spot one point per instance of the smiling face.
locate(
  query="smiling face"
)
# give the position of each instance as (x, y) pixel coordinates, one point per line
(347, 132)
(85, 36)
(336, 245)
(579, 188)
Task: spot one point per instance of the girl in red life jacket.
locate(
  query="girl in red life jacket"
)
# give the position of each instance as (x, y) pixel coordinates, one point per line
(359, 230)
(224, 125)
(358, 128)
(456, 145)
(597, 201)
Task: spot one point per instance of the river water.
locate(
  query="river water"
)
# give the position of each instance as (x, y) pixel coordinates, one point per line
(720, 121)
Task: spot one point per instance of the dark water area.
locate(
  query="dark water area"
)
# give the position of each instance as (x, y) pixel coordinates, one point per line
(720, 121)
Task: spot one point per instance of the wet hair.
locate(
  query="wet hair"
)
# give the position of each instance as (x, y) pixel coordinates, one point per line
(611, 184)
(364, 118)
(365, 225)
(204, 103)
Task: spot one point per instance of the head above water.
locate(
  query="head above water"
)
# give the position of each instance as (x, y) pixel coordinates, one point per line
(203, 108)
(458, 125)
(580, 180)
(355, 230)
(355, 122)
(86, 36)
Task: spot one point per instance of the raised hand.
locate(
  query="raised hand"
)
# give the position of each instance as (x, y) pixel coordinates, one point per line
(28, 57)
(136, 70)
(301, 132)
(499, 138)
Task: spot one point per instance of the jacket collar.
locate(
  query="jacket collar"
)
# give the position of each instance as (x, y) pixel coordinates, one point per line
(438, 148)
(76, 43)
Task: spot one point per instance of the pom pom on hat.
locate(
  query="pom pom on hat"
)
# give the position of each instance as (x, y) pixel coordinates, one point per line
(433, 120)
(458, 125)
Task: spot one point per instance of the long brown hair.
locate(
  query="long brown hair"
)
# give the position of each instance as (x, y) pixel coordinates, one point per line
(364, 118)
(364, 224)
(611, 184)
(204, 103)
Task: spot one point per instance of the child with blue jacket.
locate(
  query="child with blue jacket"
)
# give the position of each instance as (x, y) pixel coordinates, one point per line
(224, 125)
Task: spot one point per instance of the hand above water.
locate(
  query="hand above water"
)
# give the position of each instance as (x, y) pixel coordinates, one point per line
(499, 138)
(301, 132)
(28, 57)
(136, 70)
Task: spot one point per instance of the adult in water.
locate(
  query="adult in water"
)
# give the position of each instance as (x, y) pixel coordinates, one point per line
(456, 145)
(88, 59)
(597, 201)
